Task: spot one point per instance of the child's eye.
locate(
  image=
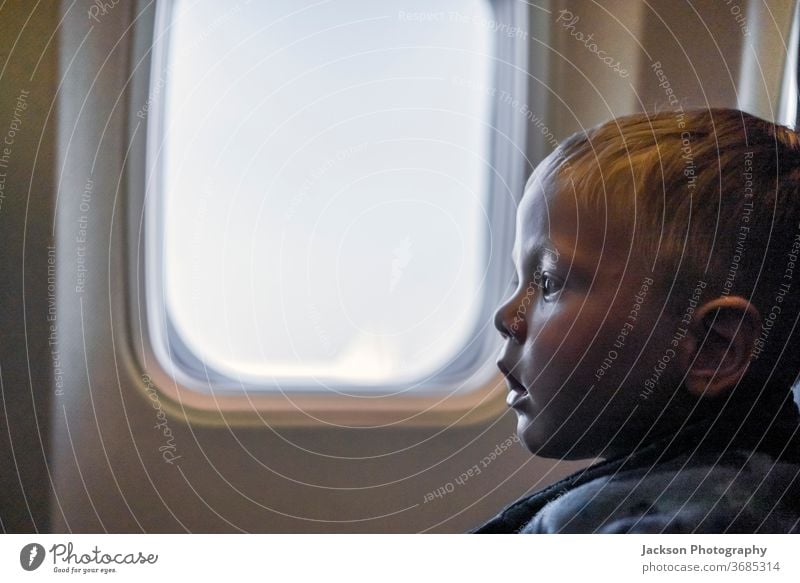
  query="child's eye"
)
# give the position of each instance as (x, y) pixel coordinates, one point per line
(551, 286)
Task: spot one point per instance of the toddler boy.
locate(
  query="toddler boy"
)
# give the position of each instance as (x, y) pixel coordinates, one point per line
(654, 324)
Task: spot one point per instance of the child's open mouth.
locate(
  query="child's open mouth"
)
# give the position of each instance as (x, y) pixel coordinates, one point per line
(516, 392)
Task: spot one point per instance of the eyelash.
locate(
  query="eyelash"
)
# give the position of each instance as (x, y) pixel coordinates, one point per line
(544, 279)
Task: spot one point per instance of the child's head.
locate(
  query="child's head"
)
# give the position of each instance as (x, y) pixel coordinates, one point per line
(658, 259)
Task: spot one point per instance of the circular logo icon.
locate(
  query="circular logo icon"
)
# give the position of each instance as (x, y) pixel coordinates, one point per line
(31, 556)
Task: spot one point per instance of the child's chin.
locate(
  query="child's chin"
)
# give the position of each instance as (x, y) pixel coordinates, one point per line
(544, 442)
(537, 439)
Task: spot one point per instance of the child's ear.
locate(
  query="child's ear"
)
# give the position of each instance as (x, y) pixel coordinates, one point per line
(719, 344)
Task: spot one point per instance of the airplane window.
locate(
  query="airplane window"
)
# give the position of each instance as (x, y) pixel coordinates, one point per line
(323, 177)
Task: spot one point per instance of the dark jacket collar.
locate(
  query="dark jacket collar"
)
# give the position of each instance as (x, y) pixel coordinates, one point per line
(752, 429)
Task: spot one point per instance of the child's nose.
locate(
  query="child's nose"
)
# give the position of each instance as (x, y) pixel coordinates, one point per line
(510, 320)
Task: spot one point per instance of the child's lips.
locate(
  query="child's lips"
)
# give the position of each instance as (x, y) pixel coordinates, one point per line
(517, 393)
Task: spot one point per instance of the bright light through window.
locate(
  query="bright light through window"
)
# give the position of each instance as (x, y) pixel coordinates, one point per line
(325, 171)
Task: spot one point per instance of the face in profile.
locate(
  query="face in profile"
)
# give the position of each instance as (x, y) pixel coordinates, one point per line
(583, 329)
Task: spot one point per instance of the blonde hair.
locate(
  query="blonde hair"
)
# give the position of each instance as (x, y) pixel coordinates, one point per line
(714, 195)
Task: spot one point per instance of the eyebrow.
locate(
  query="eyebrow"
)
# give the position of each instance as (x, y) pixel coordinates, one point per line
(549, 249)
(545, 248)
(580, 265)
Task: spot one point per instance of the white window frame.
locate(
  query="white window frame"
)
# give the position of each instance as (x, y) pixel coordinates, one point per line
(186, 382)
